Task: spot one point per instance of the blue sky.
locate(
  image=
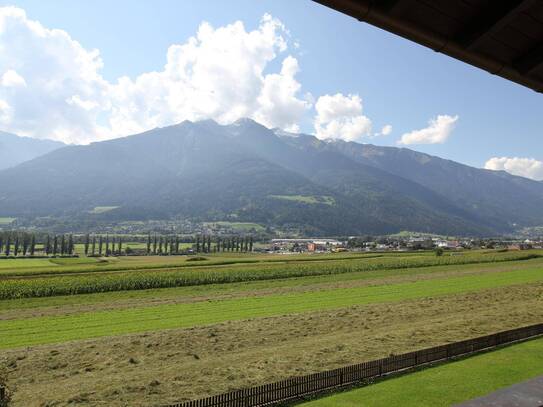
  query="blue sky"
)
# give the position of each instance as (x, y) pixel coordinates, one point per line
(399, 83)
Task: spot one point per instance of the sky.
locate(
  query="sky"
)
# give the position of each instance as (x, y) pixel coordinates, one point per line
(80, 71)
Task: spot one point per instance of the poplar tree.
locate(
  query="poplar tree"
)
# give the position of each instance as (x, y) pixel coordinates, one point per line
(176, 244)
(160, 245)
(107, 245)
(148, 244)
(32, 245)
(25, 245)
(16, 245)
(197, 244)
(154, 245)
(209, 244)
(93, 247)
(120, 245)
(70, 245)
(8, 245)
(63, 245)
(87, 243)
(55, 245)
(100, 244)
(251, 243)
(47, 247)
(1, 243)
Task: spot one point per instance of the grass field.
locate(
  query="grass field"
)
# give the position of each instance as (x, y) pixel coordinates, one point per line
(447, 384)
(243, 227)
(6, 221)
(236, 320)
(307, 199)
(102, 209)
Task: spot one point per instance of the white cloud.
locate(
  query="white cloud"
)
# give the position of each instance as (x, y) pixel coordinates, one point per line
(279, 105)
(12, 79)
(340, 117)
(438, 131)
(385, 131)
(525, 167)
(219, 73)
(54, 68)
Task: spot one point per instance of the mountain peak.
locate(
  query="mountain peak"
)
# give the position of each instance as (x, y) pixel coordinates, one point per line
(247, 122)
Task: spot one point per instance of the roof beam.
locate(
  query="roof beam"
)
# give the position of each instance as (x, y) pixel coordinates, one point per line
(530, 61)
(493, 17)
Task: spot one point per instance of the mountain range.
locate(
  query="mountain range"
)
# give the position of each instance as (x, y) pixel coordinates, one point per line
(16, 150)
(246, 172)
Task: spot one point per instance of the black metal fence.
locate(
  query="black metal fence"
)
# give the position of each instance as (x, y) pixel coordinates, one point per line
(295, 387)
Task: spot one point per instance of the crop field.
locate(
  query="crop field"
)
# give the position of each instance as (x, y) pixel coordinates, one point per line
(159, 329)
(446, 385)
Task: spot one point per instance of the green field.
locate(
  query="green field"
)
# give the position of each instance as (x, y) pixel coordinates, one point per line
(243, 227)
(99, 329)
(307, 199)
(102, 209)
(34, 331)
(450, 383)
(6, 221)
(136, 276)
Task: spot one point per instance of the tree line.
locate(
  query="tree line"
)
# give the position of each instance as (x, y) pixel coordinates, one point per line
(25, 244)
(33, 244)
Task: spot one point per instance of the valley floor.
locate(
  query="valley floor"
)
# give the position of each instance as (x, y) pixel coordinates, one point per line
(157, 346)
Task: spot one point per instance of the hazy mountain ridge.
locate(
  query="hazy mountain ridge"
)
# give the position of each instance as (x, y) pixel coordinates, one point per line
(206, 171)
(15, 150)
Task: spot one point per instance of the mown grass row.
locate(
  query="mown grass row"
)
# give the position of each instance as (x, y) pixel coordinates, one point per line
(137, 280)
(38, 330)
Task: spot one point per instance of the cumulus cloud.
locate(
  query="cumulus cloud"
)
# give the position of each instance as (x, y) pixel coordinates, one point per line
(52, 86)
(12, 79)
(340, 117)
(41, 69)
(525, 167)
(438, 131)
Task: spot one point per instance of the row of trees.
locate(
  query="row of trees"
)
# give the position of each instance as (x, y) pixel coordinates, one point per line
(25, 244)
(203, 244)
(30, 244)
(100, 245)
(167, 245)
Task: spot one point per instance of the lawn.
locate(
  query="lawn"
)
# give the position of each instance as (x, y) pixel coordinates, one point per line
(450, 383)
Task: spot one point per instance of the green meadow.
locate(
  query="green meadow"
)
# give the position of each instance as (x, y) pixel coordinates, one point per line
(450, 383)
